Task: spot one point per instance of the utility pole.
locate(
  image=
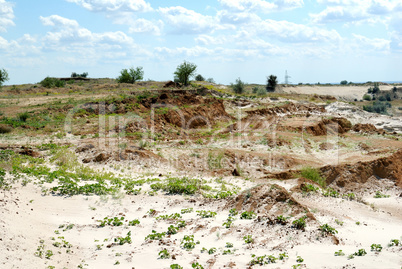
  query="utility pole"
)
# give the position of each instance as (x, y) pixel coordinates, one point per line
(287, 77)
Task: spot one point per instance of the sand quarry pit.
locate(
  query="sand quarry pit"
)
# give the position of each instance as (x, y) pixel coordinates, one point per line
(192, 178)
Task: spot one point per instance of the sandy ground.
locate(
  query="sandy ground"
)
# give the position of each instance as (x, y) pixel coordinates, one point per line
(347, 93)
(28, 217)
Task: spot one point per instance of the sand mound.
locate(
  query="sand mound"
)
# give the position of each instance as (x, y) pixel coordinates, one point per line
(352, 176)
(272, 199)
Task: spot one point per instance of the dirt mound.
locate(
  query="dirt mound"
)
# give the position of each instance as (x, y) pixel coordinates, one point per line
(267, 198)
(367, 128)
(127, 154)
(352, 176)
(287, 108)
(171, 84)
(329, 126)
(182, 109)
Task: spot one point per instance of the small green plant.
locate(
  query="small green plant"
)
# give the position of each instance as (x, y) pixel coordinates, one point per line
(349, 196)
(188, 242)
(228, 222)
(48, 254)
(358, 223)
(283, 256)
(339, 253)
(331, 193)
(233, 212)
(326, 230)
(116, 221)
(211, 251)
(133, 222)
(248, 215)
(164, 254)
(351, 256)
(172, 230)
(299, 259)
(206, 214)
(155, 236)
(309, 188)
(248, 239)
(196, 265)
(281, 220)
(174, 216)
(340, 223)
(124, 240)
(376, 247)
(175, 266)
(394, 242)
(300, 223)
(378, 194)
(228, 245)
(360, 252)
(186, 210)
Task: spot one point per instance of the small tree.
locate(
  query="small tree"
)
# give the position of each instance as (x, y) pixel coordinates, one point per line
(131, 76)
(344, 82)
(271, 83)
(184, 71)
(3, 76)
(238, 87)
(376, 87)
(211, 80)
(199, 77)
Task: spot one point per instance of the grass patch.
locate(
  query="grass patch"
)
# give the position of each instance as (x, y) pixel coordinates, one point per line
(314, 175)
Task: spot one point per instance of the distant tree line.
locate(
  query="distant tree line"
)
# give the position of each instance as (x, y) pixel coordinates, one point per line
(83, 75)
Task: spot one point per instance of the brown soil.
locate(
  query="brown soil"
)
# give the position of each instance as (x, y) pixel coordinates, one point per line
(127, 154)
(287, 108)
(367, 128)
(266, 198)
(351, 176)
(329, 126)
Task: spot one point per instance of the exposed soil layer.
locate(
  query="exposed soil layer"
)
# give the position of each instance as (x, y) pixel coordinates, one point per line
(367, 128)
(287, 108)
(266, 198)
(127, 154)
(329, 126)
(351, 176)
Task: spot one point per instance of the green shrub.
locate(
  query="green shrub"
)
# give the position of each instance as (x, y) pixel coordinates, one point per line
(367, 97)
(131, 75)
(238, 87)
(23, 116)
(378, 194)
(314, 175)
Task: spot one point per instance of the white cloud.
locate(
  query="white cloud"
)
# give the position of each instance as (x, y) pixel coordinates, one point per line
(226, 17)
(291, 32)
(114, 5)
(146, 26)
(58, 21)
(196, 51)
(185, 21)
(66, 32)
(377, 44)
(338, 14)
(207, 40)
(6, 15)
(260, 5)
(355, 11)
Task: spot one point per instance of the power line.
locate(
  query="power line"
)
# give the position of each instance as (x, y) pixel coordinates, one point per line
(287, 77)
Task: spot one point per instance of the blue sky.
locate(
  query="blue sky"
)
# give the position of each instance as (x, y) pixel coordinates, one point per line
(315, 40)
